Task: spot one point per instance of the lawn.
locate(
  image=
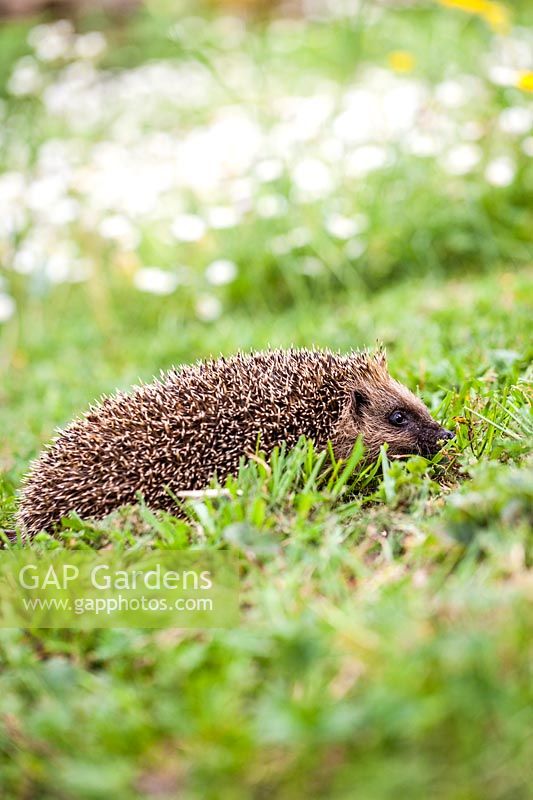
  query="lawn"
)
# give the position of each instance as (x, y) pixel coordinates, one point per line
(187, 183)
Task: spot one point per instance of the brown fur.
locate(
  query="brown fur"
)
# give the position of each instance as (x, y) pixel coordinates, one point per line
(177, 432)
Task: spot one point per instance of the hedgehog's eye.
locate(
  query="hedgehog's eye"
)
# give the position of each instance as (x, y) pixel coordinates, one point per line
(398, 418)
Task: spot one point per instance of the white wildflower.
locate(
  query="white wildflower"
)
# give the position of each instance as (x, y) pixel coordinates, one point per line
(312, 178)
(310, 265)
(155, 280)
(241, 192)
(188, 228)
(44, 192)
(7, 307)
(53, 41)
(280, 245)
(27, 259)
(90, 45)
(12, 187)
(516, 120)
(461, 159)
(222, 217)
(208, 308)
(502, 75)
(300, 237)
(401, 106)
(355, 248)
(25, 78)
(423, 145)
(500, 171)
(451, 94)
(366, 159)
(269, 170)
(472, 130)
(331, 149)
(271, 205)
(294, 239)
(63, 212)
(119, 228)
(221, 271)
(345, 227)
(62, 267)
(359, 120)
(527, 146)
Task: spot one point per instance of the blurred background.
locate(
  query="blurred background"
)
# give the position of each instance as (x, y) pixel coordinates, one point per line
(252, 154)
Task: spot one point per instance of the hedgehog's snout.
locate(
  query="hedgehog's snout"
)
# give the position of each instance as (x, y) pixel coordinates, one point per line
(446, 435)
(435, 439)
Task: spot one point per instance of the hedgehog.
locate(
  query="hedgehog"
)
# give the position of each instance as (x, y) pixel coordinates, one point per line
(197, 422)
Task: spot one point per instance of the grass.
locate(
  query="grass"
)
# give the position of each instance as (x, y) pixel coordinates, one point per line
(386, 626)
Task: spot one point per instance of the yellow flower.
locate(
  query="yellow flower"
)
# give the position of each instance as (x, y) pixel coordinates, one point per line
(498, 17)
(401, 61)
(471, 6)
(525, 82)
(495, 14)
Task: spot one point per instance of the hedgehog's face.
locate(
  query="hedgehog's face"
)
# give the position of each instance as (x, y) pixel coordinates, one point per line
(385, 412)
(401, 421)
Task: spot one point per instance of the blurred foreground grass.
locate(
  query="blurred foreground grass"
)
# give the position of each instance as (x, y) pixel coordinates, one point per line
(282, 185)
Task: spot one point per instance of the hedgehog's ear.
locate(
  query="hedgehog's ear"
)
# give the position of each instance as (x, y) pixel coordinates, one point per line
(359, 401)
